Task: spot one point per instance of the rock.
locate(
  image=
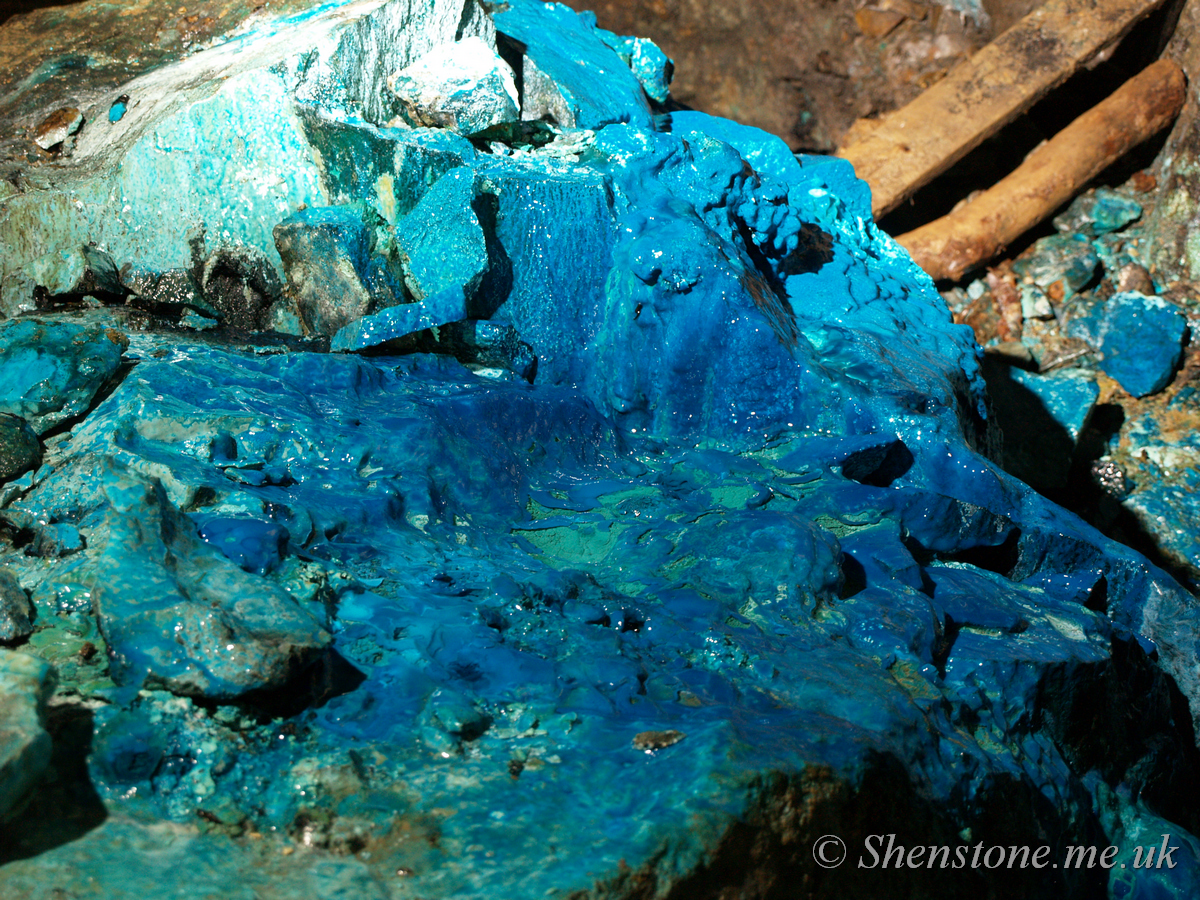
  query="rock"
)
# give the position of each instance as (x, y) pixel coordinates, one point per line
(674, 442)
(1098, 212)
(56, 540)
(179, 615)
(1142, 340)
(326, 254)
(16, 612)
(396, 322)
(1068, 397)
(53, 370)
(87, 270)
(650, 66)
(575, 79)
(170, 293)
(57, 127)
(388, 169)
(441, 243)
(117, 111)
(877, 23)
(20, 449)
(556, 232)
(254, 545)
(26, 684)
(1056, 268)
(385, 40)
(464, 86)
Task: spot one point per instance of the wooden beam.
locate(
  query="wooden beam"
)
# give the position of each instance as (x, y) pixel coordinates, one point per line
(915, 144)
(1051, 175)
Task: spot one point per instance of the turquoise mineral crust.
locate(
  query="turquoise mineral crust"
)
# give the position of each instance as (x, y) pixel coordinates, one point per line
(616, 501)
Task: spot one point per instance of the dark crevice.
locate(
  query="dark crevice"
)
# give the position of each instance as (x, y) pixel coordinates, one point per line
(768, 854)
(1000, 558)
(878, 466)
(64, 805)
(854, 577)
(329, 675)
(1127, 720)
(107, 389)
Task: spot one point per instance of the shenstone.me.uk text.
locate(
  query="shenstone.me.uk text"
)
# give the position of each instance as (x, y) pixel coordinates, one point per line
(882, 851)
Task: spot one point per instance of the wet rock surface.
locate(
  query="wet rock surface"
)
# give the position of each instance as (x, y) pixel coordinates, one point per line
(53, 370)
(16, 612)
(608, 474)
(1090, 310)
(26, 683)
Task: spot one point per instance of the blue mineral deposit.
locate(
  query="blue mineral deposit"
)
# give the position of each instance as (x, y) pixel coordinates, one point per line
(569, 72)
(53, 370)
(1097, 213)
(1142, 341)
(116, 112)
(621, 491)
(1067, 396)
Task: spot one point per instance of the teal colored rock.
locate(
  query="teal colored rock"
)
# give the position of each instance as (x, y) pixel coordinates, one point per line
(569, 74)
(464, 86)
(388, 168)
(26, 683)
(399, 321)
(1142, 341)
(20, 450)
(556, 231)
(16, 612)
(1067, 396)
(1057, 268)
(203, 627)
(768, 156)
(441, 242)
(86, 270)
(53, 369)
(650, 66)
(57, 540)
(1097, 213)
(253, 544)
(326, 253)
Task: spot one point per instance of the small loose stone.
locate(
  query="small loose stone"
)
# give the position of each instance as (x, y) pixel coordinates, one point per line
(57, 127)
(649, 741)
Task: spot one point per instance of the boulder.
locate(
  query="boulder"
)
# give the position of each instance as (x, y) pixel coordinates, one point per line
(53, 370)
(181, 615)
(16, 612)
(326, 254)
(464, 86)
(20, 449)
(26, 684)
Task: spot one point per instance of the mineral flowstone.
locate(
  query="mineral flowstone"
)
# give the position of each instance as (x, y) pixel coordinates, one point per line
(652, 505)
